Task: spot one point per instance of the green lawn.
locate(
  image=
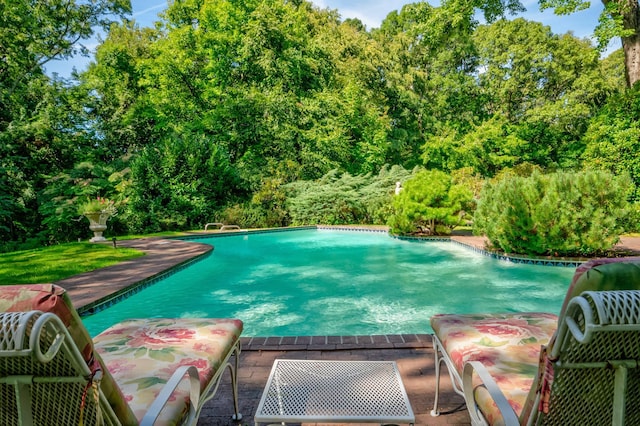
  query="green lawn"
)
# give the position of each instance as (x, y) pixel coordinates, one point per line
(49, 264)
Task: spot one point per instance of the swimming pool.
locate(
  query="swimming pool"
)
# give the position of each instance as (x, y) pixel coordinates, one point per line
(326, 282)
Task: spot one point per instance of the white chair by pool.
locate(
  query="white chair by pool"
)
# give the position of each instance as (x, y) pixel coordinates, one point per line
(135, 372)
(585, 373)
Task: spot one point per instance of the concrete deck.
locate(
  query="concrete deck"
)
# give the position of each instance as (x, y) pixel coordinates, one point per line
(413, 353)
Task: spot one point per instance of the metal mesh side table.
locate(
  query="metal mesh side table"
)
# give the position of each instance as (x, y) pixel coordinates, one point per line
(303, 391)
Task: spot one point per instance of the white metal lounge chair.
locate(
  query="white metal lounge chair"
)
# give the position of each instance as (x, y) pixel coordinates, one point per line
(521, 369)
(52, 373)
(215, 225)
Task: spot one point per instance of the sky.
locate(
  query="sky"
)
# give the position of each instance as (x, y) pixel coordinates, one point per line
(371, 13)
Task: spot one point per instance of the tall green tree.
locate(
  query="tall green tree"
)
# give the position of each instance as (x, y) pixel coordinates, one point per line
(538, 92)
(428, 71)
(620, 18)
(548, 85)
(121, 117)
(269, 81)
(181, 182)
(41, 120)
(33, 33)
(613, 138)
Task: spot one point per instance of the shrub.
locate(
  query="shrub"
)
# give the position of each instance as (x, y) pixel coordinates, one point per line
(431, 200)
(565, 213)
(341, 198)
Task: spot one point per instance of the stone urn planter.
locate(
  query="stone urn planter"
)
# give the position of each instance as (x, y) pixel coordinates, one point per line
(98, 211)
(98, 224)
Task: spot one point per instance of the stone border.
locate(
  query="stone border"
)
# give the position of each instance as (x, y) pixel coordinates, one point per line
(336, 343)
(572, 263)
(117, 297)
(521, 259)
(233, 233)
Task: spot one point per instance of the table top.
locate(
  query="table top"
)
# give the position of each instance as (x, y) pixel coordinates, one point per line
(334, 391)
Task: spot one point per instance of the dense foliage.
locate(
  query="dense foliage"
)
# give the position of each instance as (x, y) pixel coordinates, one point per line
(613, 137)
(271, 112)
(564, 213)
(340, 198)
(179, 183)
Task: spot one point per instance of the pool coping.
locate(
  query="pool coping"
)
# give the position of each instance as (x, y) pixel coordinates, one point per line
(336, 343)
(527, 260)
(90, 294)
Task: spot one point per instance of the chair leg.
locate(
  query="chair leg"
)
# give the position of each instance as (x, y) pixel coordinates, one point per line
(212, 389)
(437, 360)
(456, 381)
(234, 382)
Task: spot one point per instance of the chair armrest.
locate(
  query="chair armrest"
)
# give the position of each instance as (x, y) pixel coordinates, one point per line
(471, 367)
(194, 395)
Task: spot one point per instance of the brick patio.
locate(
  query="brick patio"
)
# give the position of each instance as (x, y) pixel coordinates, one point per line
(412, 353)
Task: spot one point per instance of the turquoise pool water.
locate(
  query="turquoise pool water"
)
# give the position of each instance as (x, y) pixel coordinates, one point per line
(325, 282)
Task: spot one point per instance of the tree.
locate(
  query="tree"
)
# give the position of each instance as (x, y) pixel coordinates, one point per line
(33, 33)
(613, 138)
(536, 92)
(428, 72)
(431, 200)
(271, 80)
(118, 107)
(41, 121)
(179, 183)
(549, 86)
(620, 18)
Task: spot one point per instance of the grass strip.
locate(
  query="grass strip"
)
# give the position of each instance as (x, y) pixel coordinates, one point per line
(54, 263)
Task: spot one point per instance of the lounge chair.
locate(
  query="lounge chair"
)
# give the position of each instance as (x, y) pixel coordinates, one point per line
(536, 368)
(153, 371)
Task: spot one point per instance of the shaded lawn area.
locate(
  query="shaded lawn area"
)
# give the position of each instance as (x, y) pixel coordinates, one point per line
(50, 264)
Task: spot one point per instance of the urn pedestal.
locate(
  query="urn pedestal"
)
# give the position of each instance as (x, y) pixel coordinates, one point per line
(98, 224)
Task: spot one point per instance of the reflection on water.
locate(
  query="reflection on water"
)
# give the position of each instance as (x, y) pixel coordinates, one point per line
(319, 282)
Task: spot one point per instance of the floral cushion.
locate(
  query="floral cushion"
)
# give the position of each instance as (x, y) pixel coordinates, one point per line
(54, 299)
(143, 354)
(507, 344)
